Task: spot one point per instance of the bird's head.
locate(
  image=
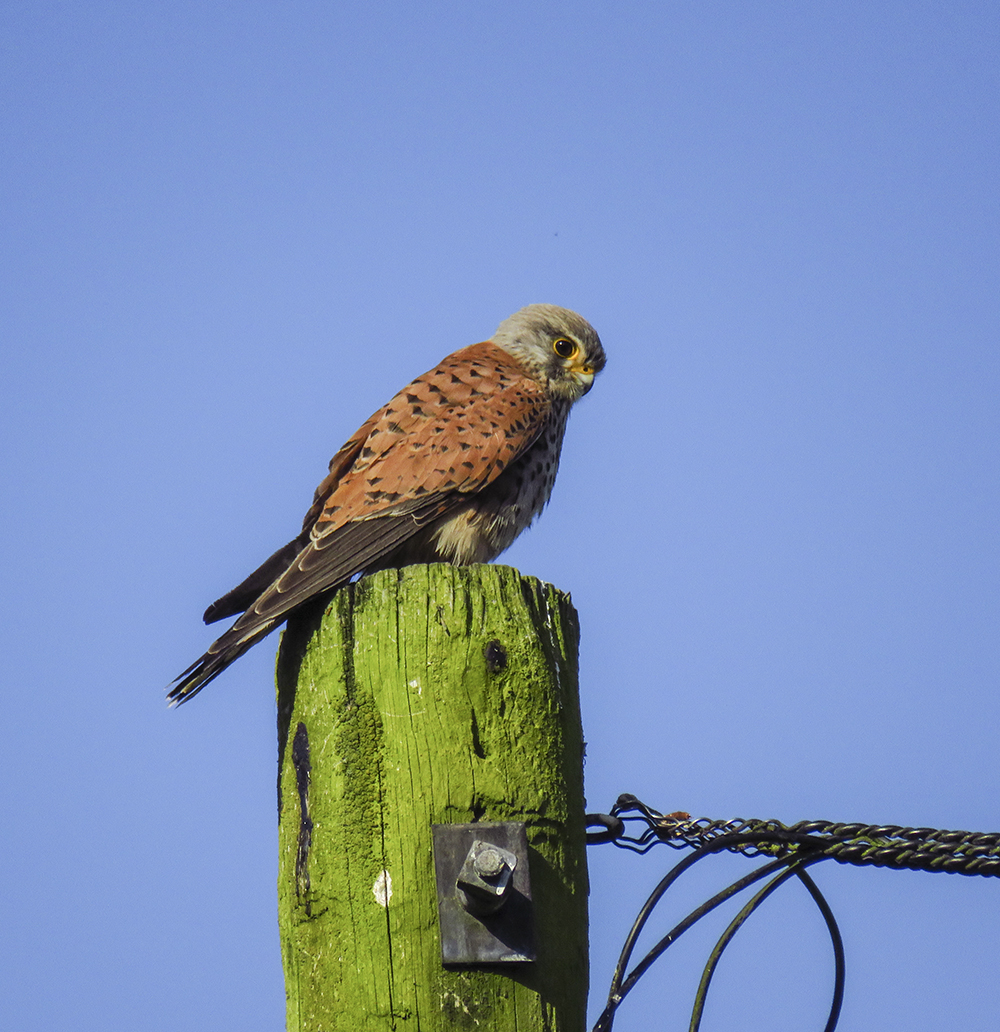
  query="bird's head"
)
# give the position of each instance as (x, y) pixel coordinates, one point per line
(555, 346)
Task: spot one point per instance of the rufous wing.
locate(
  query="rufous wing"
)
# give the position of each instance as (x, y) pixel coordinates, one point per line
(447, 435)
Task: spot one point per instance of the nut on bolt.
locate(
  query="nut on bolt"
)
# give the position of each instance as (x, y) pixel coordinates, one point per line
(485, 881)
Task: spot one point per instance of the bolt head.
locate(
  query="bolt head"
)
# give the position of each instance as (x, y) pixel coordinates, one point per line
(489, 863)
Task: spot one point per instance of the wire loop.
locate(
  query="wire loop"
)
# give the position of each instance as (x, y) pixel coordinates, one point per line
(791, 849)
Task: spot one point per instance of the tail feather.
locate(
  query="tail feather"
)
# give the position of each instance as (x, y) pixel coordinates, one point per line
(243, 596)
(299, 576)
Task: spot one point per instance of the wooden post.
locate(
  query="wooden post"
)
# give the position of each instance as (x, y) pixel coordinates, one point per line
(430, 694)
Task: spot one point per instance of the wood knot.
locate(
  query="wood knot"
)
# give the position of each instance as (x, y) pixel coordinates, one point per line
(496, 656)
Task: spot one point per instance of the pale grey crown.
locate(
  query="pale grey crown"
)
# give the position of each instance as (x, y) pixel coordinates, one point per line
(529, 336)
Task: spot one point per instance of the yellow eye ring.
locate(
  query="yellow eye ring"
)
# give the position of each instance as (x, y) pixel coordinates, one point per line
(565, 348)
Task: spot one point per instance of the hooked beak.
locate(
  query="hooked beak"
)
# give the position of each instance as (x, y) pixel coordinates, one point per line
(583, 374)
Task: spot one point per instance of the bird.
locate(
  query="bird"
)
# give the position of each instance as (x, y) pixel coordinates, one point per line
(452, 469)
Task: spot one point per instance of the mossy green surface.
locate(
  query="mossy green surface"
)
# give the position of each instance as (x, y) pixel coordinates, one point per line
(428, 695)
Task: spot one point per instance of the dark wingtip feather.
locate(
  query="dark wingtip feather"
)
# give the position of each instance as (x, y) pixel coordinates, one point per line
(221, 654)
(318, 569)
(187, 685)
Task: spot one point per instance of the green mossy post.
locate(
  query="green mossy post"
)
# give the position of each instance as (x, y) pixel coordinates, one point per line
(427, 695)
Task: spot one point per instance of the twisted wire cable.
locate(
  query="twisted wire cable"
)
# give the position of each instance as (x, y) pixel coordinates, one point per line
(789, 849)
(876, 845)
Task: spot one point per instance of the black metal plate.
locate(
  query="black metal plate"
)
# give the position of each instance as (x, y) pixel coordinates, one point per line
(502, 938)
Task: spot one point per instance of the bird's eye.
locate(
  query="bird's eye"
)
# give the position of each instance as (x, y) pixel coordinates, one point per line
(565, 348)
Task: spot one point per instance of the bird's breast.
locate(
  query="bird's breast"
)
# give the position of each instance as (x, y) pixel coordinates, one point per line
(492, 518)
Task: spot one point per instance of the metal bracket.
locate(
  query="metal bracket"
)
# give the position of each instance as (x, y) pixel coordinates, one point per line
(484, 893)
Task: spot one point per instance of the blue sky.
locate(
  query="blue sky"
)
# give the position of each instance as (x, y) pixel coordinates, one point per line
(233, 231)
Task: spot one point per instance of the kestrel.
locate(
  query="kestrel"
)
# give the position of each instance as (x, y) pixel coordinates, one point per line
(451, 470)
